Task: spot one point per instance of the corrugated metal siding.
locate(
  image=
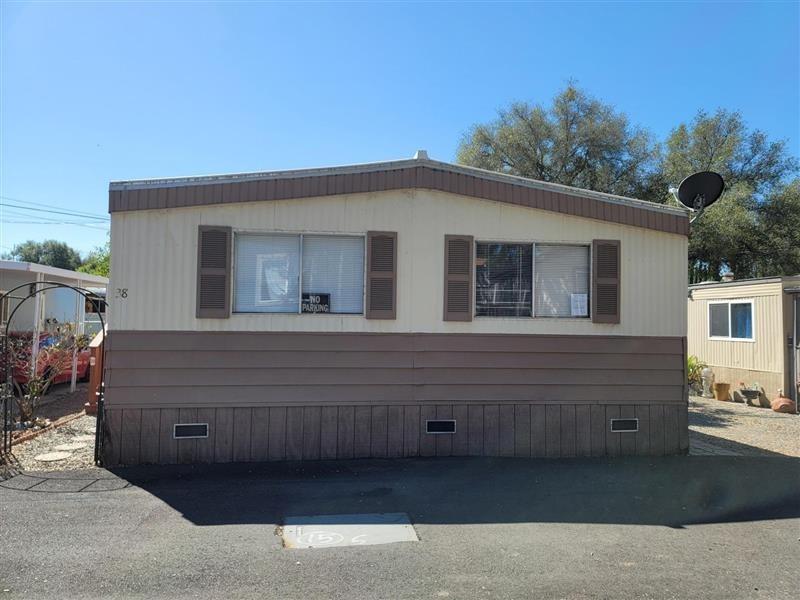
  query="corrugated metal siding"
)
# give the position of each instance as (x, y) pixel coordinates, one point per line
(155, 261)
(765, 354)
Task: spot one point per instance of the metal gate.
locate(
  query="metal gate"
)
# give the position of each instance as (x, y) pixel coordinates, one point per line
(7, 387)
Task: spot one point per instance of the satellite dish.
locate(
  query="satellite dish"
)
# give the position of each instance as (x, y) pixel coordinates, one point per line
(699, 191)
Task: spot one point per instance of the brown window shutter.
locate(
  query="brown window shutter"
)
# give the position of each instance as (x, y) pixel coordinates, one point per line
(606, 271)
(458, 251)
(381, 275)
(213, 272)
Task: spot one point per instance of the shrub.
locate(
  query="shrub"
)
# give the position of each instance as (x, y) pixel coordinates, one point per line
(694, 369)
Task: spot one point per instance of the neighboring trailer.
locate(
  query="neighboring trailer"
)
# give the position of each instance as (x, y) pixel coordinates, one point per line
(751, 339)
(476, 314)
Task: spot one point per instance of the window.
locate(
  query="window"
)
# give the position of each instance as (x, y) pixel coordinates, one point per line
(503, 280)
(334, 265)
(524, 280)
(731, 320)
(561, 281)
(271, 271)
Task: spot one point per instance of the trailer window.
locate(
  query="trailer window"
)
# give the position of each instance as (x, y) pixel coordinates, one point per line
(285, 273)
(731, 320)
(503, 280)
(561, 282)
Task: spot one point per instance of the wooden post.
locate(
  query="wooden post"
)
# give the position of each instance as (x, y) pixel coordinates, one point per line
(95, 371)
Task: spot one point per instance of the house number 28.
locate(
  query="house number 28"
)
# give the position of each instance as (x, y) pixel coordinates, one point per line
(122, 292)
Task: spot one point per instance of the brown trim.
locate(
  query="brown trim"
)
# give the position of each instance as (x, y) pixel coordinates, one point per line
(381, 293)
(440, 177)
(212, 302)
(458, 278)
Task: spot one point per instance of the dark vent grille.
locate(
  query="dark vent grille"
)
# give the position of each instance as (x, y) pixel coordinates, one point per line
(382, 254)
(212, 291)
(381, 294)
(213, 249)
(440, 426)
(607, 299)
(624, 425)
(190, 430)
(457, 296)
(607, 261)
(458, 257)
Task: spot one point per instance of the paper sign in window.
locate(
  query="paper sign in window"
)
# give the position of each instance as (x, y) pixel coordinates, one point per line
(579, 305)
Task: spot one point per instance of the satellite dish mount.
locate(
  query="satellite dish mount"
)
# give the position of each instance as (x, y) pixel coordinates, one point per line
(699, 191)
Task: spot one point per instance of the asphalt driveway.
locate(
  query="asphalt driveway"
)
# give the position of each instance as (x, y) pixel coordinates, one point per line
(678, 527)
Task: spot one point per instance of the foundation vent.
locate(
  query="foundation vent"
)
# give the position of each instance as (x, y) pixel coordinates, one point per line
(185, 431)
(440, 426)
(624, 425)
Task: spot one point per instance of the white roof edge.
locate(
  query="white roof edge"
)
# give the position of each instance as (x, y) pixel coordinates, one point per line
(385, 166)
(27, 267)
(752, 281)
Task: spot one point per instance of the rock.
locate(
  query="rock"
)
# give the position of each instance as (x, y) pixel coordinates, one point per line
(52, 456)
(781, 404)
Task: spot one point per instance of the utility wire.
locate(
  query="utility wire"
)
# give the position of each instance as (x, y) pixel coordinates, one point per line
(77, 213)
(56, 212)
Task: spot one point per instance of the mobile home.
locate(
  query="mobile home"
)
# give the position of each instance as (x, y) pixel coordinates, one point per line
(403, 308)
(743, 330)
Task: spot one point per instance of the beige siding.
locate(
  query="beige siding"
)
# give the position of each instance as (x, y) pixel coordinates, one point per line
(154, 255)
(765, 354)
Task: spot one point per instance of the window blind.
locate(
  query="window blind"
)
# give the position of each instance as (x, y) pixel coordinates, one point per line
(335, 265)
(267, 273)
(561, 271)
(503, 280)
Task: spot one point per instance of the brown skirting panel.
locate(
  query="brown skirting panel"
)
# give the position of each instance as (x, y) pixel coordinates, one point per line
(244, 434)
(182, 370)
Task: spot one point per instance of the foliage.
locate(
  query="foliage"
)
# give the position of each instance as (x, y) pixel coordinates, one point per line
(52, 358)
(98, 262)
(49, 252)
(754, 230)
(750, 231)
(577, 141)
(694, 370)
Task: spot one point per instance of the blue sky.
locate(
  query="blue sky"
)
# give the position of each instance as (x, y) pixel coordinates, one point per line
(93, 92)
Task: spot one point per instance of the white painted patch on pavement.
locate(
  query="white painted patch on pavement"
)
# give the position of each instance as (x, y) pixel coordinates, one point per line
(335, 531)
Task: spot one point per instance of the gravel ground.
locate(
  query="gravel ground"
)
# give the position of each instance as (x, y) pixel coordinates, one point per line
(82, 458)
(740, 424)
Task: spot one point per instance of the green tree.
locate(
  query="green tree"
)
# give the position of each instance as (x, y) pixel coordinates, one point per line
(49, 252)
(735, 233)
(577, 141)
(98, 262)
(778, 241)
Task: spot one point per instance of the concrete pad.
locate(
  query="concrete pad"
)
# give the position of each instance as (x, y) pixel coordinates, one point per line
(69, 447)
(335, 531)
(52, 456)
(84, 438)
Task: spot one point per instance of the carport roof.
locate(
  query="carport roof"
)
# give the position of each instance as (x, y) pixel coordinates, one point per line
(28, 267)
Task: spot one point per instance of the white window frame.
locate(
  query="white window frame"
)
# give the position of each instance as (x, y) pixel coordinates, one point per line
(300, 235)
(729, 337)
(475, 314)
